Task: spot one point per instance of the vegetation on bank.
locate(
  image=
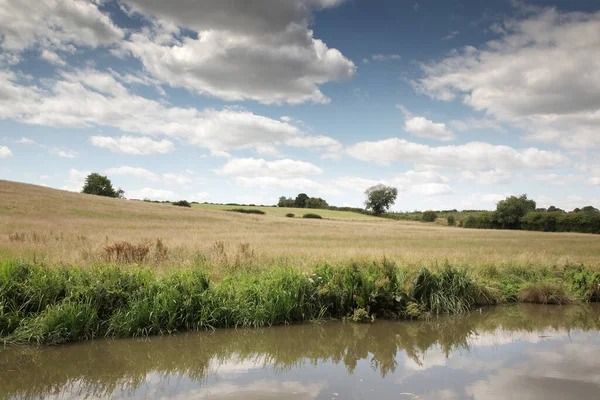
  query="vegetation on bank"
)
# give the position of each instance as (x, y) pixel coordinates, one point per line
(247, 211)
(57, 305)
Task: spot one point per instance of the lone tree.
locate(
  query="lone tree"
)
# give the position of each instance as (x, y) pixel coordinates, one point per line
(100, 185)
(380, 198)
(510, 211)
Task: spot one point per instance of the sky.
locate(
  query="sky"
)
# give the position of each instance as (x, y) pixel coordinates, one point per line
(458, 104)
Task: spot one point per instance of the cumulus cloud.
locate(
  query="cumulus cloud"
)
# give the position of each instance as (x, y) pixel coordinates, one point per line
(422, 127)
(86, 98)
(136, 172)
(152, 194)
(75, 180)
(491, 177)
(472, 155)
(133, 145)
(52, 58)
(62, 153)
(54, 24)
(5, 152)
(385, 57)
(266, 182)
(425, 183)
(253, 168)
(25, 140)
(512, 79)
(177, 179)
(263, 52)
(425, 128)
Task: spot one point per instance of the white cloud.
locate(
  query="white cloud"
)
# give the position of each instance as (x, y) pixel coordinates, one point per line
(54, 24)
(133, 145)
(5, 152)
(87, 98)
(25, 140)
(425, 183)
(422, 127)
(63, 153)
(385, 57)
(491, 177)
(266, 182)
(152, 194)
(476, 124)
(177, 179)
(253, 167)
(136, 172)
(75, 180)
(558, 179)
(472, 155)
(512, 79)
(220, 153)
(162, 194)
(265, 52)
(52, 57)
(199, 197)
(451, 35)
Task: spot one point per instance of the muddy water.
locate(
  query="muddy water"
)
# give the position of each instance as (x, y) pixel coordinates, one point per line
(514, 352)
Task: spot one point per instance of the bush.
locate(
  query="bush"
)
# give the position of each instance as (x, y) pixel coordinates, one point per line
(290, 215)
(451, 220)
(182, 203)
(247, 211)
(311, 215)
(429, 216)
(545, 293)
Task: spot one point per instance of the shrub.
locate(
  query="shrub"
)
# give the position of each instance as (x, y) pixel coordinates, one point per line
(429, 216)
(546, 292)
(311, 215)
(451, 220)
(126, 252)
(447, 292)
(182, 203)
(290, 215)
(247, 211)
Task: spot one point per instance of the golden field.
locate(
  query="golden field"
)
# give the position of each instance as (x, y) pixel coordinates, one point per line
(56, 227)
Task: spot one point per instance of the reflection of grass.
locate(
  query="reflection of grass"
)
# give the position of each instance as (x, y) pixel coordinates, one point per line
(100, 368)
(54, 222)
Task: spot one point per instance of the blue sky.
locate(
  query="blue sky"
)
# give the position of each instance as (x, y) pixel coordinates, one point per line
(456, 103)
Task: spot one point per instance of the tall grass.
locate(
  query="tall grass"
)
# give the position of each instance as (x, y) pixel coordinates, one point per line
(57, 305)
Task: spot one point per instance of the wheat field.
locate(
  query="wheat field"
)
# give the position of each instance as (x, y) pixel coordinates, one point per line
(58, 228)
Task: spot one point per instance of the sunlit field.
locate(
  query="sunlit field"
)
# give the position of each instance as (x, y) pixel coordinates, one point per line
(58, 228)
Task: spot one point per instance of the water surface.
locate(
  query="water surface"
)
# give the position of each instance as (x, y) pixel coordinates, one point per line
(520, 351)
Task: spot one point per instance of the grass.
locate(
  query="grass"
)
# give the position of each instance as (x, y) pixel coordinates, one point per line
(56, 305)
(247, 211)
(61, 228)
(282, 211)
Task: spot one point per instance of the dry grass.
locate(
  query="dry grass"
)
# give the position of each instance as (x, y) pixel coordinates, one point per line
(63, 228)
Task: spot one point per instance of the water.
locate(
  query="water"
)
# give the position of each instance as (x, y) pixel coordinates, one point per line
(521, 351)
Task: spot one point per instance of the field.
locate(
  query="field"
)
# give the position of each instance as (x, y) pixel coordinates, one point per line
(75, 267)
(56, 228)
(282, 211)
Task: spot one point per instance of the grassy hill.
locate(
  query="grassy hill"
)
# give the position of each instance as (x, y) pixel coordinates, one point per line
(63, 228)
(298, 212)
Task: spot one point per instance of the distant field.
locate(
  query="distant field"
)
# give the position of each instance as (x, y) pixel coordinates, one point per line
(298, 212)
(63, 228)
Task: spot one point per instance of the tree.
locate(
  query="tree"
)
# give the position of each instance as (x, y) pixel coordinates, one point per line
(380, 198)
(100, 185)
(590, 209)
(429, 216)
(316, 202)
(300, 201)
(286, 202)
(510, 211)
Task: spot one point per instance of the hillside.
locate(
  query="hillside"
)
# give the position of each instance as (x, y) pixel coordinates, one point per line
(59, 227)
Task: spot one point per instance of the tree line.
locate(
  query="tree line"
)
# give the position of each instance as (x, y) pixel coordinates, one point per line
(514, 212)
